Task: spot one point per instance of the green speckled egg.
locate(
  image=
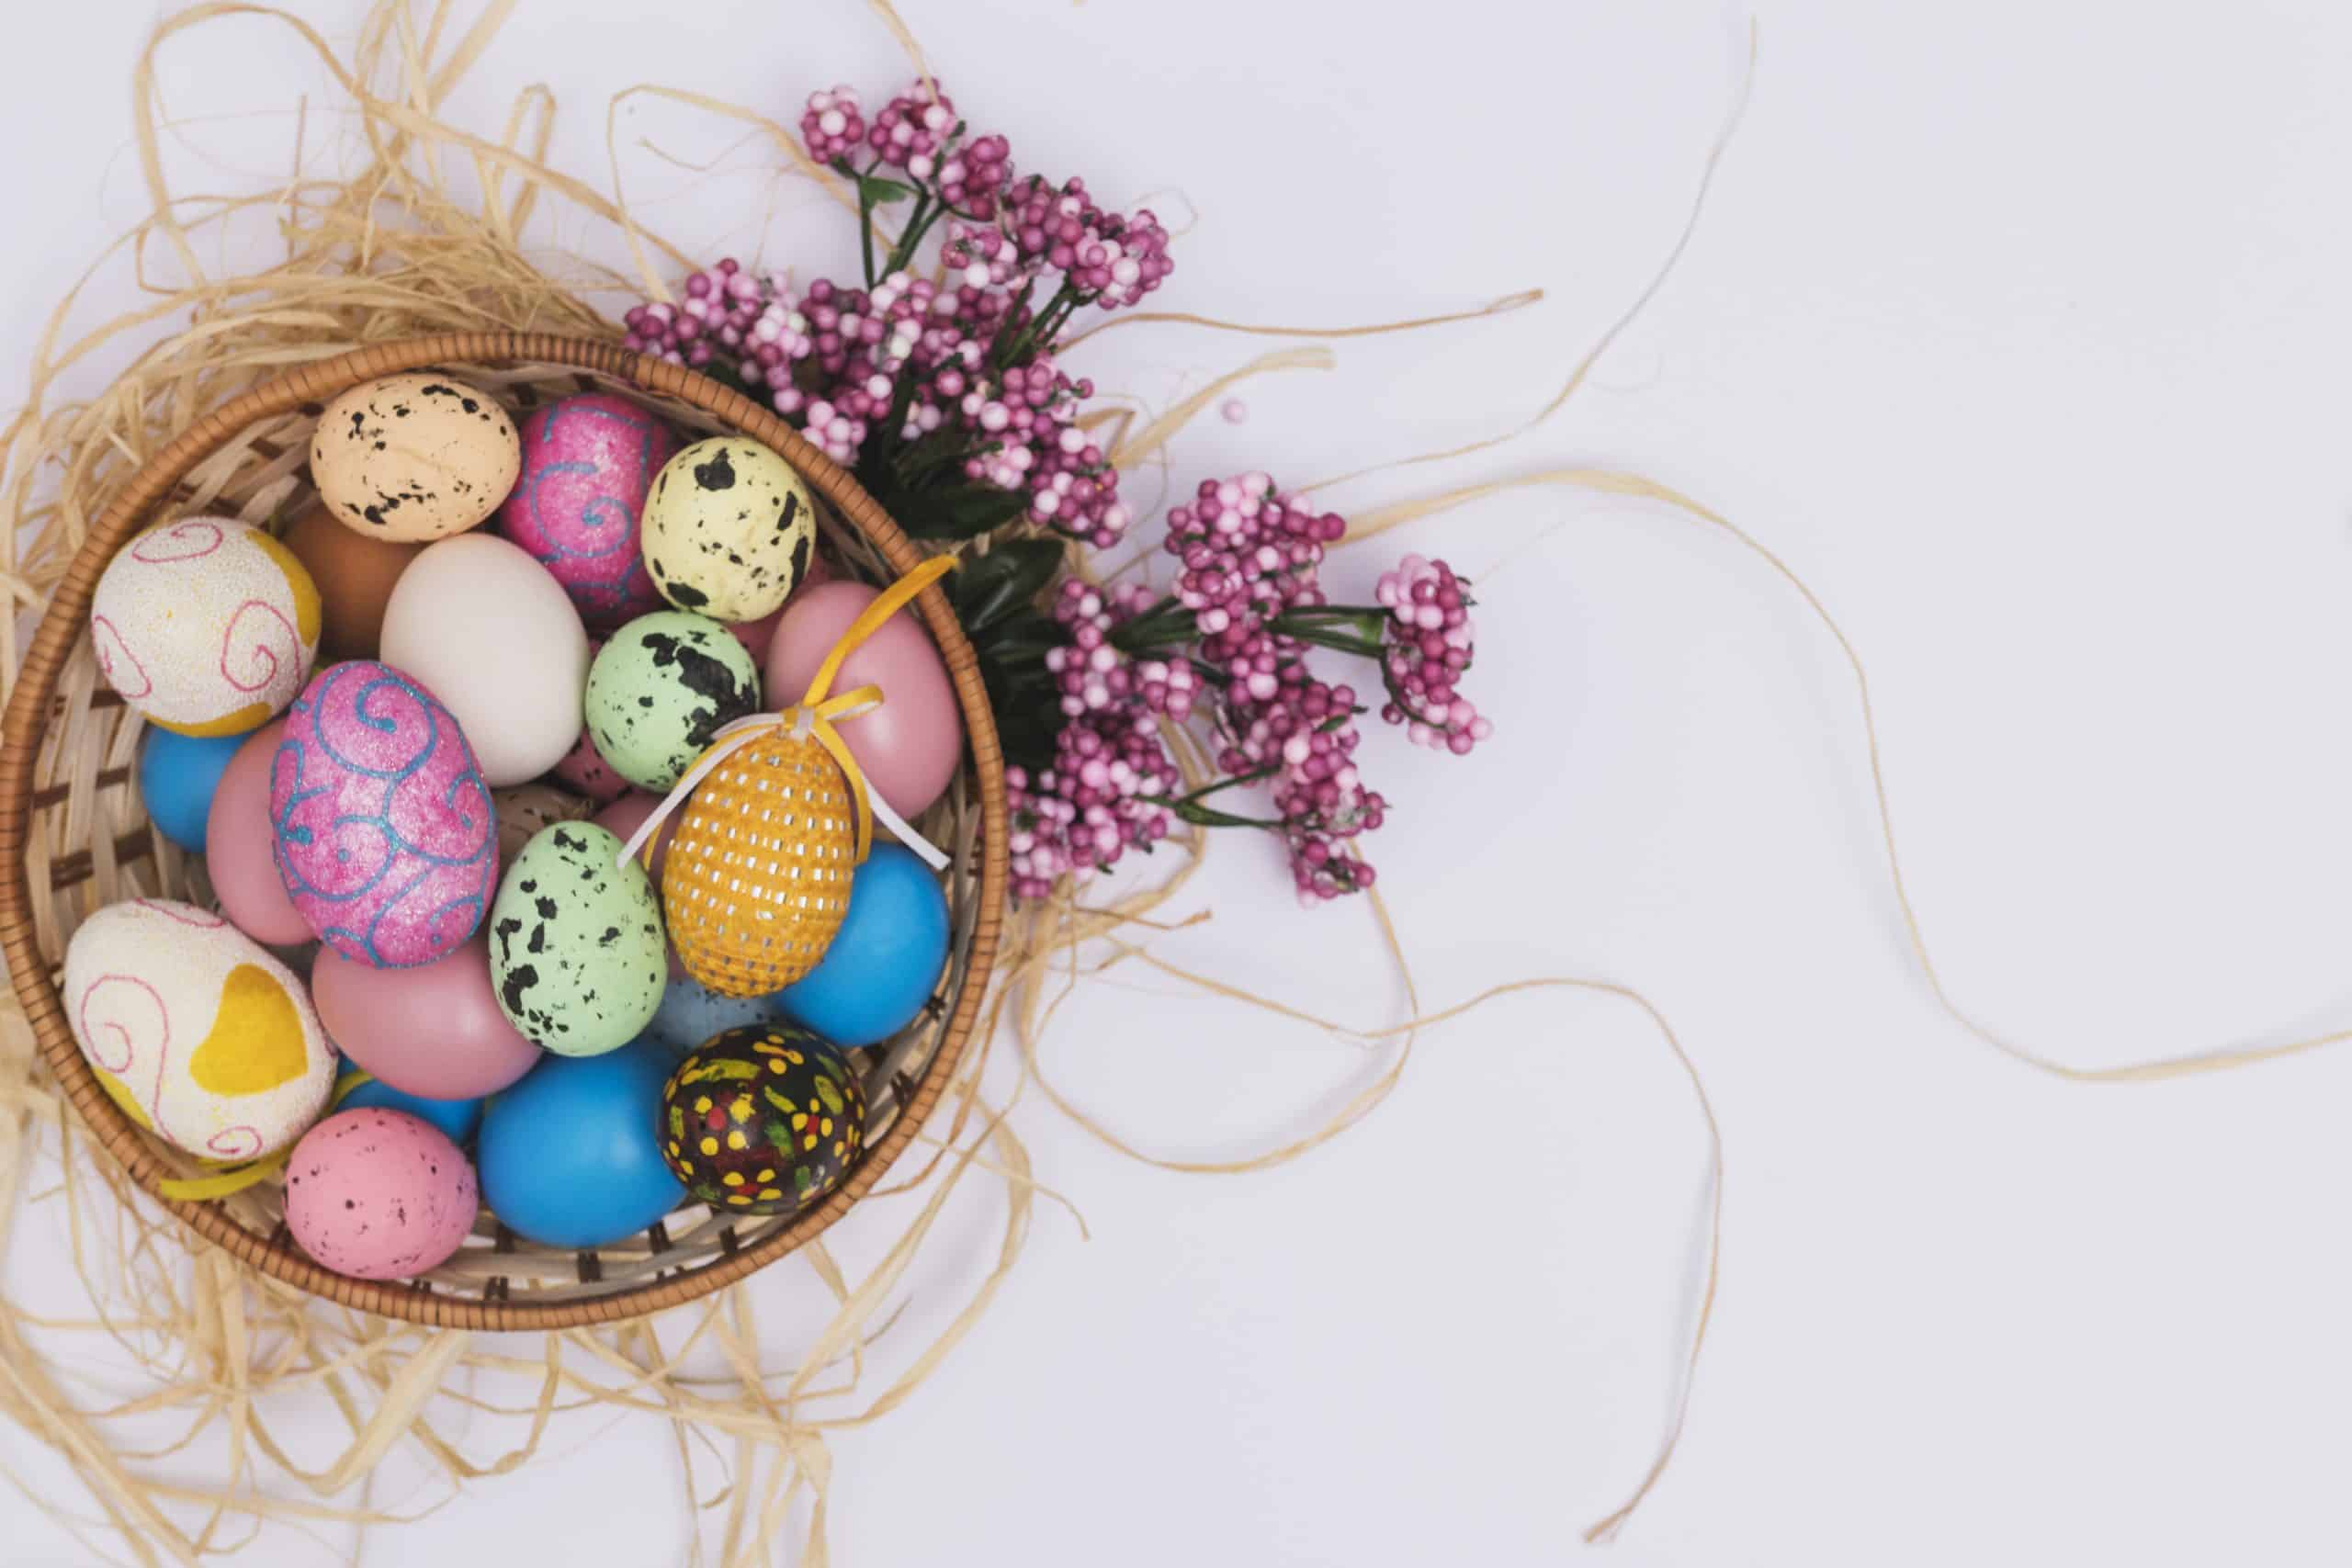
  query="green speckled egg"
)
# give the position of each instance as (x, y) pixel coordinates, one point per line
(576, 950)
(660, 689)
(763, 1119)
(728, 529)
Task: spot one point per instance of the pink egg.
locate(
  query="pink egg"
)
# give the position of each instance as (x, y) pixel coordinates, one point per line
(239, 844)
(379, 1195)
(435, 1031)
(757, 636)
(584, 769)
(386, 839)
(908, 747)
(587, 463)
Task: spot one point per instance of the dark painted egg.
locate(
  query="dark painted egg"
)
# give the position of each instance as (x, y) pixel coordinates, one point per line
(763, 1119)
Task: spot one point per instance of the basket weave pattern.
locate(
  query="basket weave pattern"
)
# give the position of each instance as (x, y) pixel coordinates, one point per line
(73, 837)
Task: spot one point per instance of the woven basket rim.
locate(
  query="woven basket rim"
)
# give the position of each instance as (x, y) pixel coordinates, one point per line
(64, 620)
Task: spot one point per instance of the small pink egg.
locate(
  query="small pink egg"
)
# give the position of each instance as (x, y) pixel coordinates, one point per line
(379, 1195)
(584, 769)
(434, 1029)
(623, 817)
(908, 747)
(238, 844)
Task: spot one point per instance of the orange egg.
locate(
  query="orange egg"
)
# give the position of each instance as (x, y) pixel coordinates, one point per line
(355, 575)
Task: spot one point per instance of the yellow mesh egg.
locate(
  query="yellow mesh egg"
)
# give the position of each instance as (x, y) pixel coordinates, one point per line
(758, 874)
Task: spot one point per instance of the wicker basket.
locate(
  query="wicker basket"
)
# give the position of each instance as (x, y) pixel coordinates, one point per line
(73, 837)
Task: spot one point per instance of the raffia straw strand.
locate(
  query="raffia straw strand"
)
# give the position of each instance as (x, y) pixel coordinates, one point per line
(1499, 307)
(1638, 486)
(1626, 319)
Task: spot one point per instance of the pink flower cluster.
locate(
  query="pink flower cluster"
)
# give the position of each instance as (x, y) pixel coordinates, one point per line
(1251, 555)
(966, 363)
(1428, 646)
(1092, 670)
(1116, 260)
(1231, 640)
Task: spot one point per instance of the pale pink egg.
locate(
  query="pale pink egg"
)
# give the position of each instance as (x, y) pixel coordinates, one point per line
(239, 844)
(757, 636)
(910, 745)
(379, 1194)
(435, 1030)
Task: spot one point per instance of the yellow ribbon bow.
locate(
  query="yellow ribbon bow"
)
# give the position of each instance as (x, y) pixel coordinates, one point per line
(814, 718)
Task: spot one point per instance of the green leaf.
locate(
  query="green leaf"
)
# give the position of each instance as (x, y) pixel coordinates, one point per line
(993, 588)
(876, 191)
(956, 512)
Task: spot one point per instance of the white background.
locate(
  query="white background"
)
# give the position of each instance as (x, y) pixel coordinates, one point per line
(2019, 327)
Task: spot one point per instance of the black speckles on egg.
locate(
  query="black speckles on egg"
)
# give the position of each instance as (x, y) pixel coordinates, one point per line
(413, 458)
(580, 972)
(732, 537)
(717, 471)
(660, 689)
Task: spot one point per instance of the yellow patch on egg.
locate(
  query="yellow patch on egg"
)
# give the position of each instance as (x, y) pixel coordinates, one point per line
(253, 715)
(119, 1093)
(299, 584)
(257, 1042)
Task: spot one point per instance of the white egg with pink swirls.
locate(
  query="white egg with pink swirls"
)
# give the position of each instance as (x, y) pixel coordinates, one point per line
(206, 625)
(195, 1031)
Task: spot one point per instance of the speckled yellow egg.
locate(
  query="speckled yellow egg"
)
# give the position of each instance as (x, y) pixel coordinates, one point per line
(206, 627)
(728, 529)
(197, 1034)
(413, 457)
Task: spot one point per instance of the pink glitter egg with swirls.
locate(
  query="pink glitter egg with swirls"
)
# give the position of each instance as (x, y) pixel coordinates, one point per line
(205, 627)
(384, 833)
(587, 462)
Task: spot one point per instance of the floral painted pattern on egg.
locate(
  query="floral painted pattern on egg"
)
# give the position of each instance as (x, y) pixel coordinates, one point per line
(195, 1030)
(385, 835)
(587, 462)
(206, 627)
(763, 1120)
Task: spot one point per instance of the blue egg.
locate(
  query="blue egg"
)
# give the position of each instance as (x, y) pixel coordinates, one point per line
(177, 775)
(570, 1156)
(457, 1118)
(692, 1012)
(887, 958)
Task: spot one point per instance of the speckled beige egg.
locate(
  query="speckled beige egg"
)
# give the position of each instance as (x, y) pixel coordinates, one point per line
(728, 529)
(413, 458)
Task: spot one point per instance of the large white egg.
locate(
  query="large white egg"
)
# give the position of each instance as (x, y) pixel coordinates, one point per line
(195, 1031)
(488, 631)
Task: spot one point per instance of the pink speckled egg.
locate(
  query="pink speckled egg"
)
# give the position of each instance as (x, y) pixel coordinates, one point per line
(378, 1194)
(587, 463)
(385, 836)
